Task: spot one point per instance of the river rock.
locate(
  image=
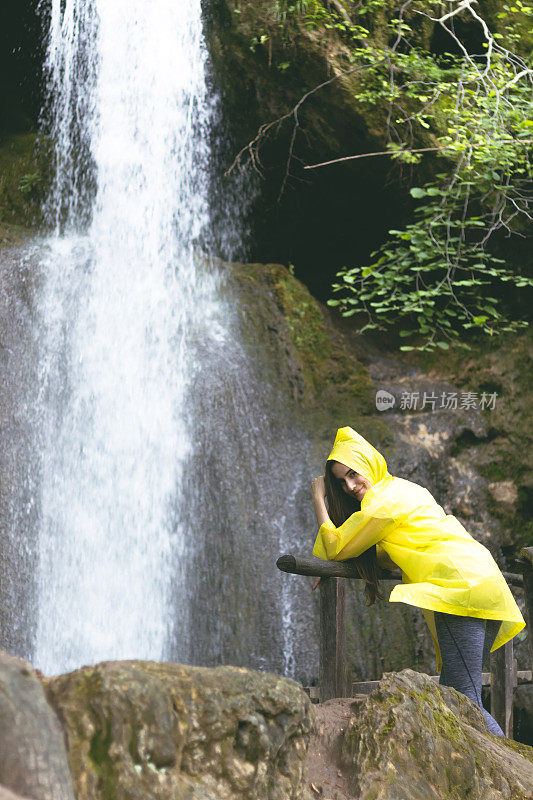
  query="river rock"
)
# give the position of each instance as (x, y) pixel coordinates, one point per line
(33, 760)
(141, 729)
(415, 740)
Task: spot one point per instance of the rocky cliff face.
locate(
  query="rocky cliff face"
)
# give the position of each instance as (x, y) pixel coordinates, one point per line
(324, 375)
(474, 460)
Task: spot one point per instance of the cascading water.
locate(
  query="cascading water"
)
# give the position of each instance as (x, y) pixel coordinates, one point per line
(128, 110)
(162, 471)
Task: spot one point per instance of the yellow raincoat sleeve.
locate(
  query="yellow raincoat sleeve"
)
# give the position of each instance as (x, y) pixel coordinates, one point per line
(359, 532)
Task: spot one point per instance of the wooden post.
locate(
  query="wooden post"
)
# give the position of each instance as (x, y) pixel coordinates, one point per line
(502, 676)
(332, 657)
(333, 679)
(527, 555)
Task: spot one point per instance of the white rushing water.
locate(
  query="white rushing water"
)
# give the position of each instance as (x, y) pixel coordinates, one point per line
(120, 301)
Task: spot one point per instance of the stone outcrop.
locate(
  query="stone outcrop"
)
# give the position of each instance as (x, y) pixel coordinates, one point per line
(412, 739)
(154, 731)
(33, 759)
(141, 729)
(416, 741)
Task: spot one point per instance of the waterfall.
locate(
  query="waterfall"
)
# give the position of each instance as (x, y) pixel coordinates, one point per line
(127, 113)
(155, 469)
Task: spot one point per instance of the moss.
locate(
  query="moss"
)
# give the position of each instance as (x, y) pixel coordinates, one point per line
(89, 686)
(332, 377)
(386, 699)
(522, 749)
(446, 724)
(329, 384)
(496, 471)
(103, 765)
(132, 744)
(23, 179)
(306, 325)
(389, 725)
(12, 235)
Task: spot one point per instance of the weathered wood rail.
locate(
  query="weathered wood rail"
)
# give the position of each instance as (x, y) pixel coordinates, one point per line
(332, 670)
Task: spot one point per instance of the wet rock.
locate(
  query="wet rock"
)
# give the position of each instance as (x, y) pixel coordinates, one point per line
(33, 760)
(141, 729)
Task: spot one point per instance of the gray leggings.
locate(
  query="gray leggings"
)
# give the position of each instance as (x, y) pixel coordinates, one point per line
(465, 643)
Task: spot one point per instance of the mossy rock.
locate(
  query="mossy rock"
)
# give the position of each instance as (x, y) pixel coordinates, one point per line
(144, 729)
(416, 740)
(330, 387)
(24, 178)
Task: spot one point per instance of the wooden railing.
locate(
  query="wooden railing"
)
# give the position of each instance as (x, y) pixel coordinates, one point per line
(332, 668)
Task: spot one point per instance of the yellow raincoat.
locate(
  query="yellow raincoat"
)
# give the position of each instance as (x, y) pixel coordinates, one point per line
(443, 567)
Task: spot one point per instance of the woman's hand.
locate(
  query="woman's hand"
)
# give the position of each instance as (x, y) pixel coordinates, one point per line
(318, 491)
(318, 487)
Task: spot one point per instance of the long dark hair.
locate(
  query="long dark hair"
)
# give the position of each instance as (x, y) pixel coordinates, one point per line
(340, 507)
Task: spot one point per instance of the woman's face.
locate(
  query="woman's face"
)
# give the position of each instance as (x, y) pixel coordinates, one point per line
(351, 482)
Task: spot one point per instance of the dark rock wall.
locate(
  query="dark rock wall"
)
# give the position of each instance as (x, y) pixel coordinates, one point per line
(21, 56)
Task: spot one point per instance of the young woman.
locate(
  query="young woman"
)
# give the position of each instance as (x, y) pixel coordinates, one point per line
(384, 521)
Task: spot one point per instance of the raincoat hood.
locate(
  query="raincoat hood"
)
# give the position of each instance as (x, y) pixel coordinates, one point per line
(352, 450)
(443, 567)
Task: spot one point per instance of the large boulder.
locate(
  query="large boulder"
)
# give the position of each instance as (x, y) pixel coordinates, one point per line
(33, 760)
(415, 740)
(141, 729)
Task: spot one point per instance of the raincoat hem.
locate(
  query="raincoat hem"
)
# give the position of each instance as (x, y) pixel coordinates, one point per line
(428, 611)
(461, 611)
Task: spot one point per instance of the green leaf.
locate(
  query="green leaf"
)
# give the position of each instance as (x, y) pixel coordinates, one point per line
(417, 192)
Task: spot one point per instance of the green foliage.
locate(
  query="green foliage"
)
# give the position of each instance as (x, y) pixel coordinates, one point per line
(30, 182)
(437, 277)
(432, 277)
